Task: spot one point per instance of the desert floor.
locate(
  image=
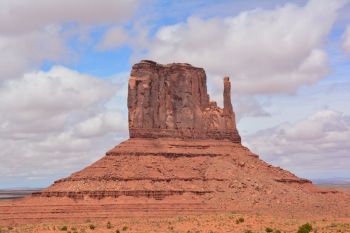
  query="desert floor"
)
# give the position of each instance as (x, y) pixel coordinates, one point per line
(208, 223)
(204, 223)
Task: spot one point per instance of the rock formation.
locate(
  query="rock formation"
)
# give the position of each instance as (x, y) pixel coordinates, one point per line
(184, 154)
(172, 101)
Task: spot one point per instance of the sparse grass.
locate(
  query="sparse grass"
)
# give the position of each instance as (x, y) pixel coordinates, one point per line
(248, 231)
(306, 228)
(125, 228)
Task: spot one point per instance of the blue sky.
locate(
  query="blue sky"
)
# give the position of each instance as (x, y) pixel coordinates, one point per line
(66, 64)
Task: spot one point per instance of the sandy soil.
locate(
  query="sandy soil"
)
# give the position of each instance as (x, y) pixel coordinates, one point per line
(210, 223)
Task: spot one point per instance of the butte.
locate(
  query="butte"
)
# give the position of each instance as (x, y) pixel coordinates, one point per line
(184, 155)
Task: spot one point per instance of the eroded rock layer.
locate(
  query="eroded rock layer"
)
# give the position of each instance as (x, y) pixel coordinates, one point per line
(219, 173)
(172, 101)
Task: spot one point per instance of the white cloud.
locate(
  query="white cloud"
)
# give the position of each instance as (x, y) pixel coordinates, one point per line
(317, 143)
(26, 15)
(346, 39)
(43, 101)
(248, 106)
(265, 51)
(101, 124)
(19, 53)
(113, 38)
(55, 122)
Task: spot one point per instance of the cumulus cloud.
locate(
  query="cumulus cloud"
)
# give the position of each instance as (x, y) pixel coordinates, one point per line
(19, 53)
(101, 124)
(25, 16)
(248, 106)
(113, 38)
(346, 39)
(265, 51)
(44, 100)
(56, 121)
(317, 143)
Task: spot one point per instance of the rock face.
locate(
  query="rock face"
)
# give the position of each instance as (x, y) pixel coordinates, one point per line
(172, 101)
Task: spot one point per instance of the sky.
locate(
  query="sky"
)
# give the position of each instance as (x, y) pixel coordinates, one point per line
(65, 65)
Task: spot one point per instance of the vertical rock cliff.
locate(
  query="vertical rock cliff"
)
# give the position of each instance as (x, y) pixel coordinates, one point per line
(172, 101)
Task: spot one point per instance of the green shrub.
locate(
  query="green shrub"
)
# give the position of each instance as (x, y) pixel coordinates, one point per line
(277, 231)
(268, 229)
(92, 226)
(306, 228)
(248, 231)
(117, 231)
(125, 228)
(64, 228)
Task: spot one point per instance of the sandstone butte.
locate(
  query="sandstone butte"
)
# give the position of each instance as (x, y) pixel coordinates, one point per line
(184, 155)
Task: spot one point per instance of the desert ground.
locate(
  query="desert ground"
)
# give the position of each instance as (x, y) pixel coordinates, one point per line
(196, 222)
(209, 223)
